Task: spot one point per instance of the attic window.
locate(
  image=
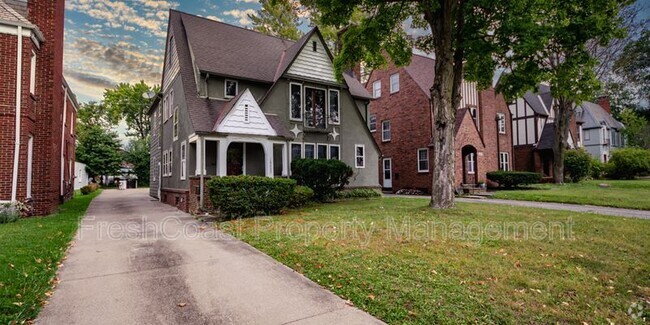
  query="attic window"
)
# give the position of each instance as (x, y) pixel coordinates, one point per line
(230, 88)
(246, 114)
(314, 46)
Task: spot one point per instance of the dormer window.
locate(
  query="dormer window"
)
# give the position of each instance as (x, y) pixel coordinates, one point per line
(314, 46)
(230, 88)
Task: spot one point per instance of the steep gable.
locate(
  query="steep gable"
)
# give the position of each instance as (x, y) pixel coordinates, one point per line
(313, 61)
(171, 66)
(245, 117)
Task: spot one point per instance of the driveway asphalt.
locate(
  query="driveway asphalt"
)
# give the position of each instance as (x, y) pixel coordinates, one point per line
(138, 261)
(617, 212)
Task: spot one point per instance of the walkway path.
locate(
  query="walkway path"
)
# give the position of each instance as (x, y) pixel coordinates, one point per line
(618, 212)
(137, 261)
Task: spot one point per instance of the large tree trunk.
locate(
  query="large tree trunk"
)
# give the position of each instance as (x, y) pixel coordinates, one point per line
(444, 110)
(563, 110)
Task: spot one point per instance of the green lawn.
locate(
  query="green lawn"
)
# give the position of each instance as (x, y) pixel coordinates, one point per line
(621, 194)
(444, 271)
(30, 251)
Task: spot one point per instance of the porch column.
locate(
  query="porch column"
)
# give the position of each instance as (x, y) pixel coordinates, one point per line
(222, 149)
(285, 160)
(199, 150)
(268, 158)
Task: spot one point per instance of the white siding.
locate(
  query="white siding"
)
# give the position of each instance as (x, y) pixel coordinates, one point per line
(469, 94)
(171, 65)
(313, 65)
(235, 121)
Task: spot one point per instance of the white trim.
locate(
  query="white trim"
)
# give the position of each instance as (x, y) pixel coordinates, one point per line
(390, 82)
(501, 123)
(376, 92)
(30, 165)
(302, 101)
(383, 138)
(225, 88)
(329, 106)
(175, 123)
(471, 162)
(183, 160)
(504, 161)
(420, 160)
(32, 74)
(304, 150)
(325, 109)
(329, 151)
(65, 109)
(370, 123)
(19, 77)
(356, 165)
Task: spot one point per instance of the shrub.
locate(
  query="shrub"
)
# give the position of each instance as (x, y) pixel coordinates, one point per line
(597, 169)
(9, 212)
(325, 177)
(357, 193)
(247, 196)
(628, 163)
(92, 187)
(301, 196)
(514, 179)
(577, 164)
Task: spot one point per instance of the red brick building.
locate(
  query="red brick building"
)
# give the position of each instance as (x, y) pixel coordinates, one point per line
(401, 122)
(37, 108)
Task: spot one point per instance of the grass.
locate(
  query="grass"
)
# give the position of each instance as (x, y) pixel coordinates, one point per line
(30, 251)
(632, 194)
(443, 272)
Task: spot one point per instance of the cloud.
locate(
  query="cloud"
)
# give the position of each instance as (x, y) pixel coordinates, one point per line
(241, 14)
(119, 14)
(89, 79)
(248, 1)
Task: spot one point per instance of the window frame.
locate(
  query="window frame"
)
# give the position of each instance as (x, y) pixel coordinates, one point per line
(370, 123)
(501, 123)
(390, 81)
(175, 123)
(329, 151)
(325, 109)
(376, 91)
(302, 101)
(586, 135)
(420, 170)
(32, 73)
(304, 150)
(471, 162)
(225, 88)
(383, 131)
(318, 147)
(329, 107)
(183, 149)
(504, 161)
(171, 162)
(356, 156)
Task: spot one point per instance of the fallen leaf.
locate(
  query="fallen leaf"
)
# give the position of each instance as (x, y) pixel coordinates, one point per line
(371, 297)
(182, 304)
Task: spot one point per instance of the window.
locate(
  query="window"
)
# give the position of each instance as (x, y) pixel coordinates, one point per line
(474, 113)
(394, 83)
(246, 114)
(171, 162)
(359, 156)
(30, 163)
(295, 109)
(504, 161)
(587, 136)
(167, 105)
(296, 151)
(32, 75)
(322, 151)
(170, 56)
(315, 108)
(385, 130)
(230, 88)
(423, 160)
(335, 152)
(334, 114)
(501, 118)
(372, 124)
(314, 46)
(183, 160)
(175, 129)
(376, 89)
(470, 163)
(310, 151)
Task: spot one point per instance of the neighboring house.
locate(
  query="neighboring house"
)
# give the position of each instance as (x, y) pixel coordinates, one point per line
(81, 175)
(235, 101)
(38, 110)
(601, 133)
(401, 122)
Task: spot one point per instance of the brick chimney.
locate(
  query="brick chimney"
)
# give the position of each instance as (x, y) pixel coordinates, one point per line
(603, 101)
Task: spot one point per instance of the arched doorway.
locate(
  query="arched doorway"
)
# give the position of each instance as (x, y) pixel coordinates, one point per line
(470, 165)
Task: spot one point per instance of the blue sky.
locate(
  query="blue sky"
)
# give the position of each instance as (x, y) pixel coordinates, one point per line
(111, 41)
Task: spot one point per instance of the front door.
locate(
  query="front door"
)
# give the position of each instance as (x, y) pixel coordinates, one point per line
(388, 173)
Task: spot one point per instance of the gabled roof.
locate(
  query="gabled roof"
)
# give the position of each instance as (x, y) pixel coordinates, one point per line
(546, 138)
(464, 116)
(594, 116)
(422, 72)
(356, 88)
(290, 54)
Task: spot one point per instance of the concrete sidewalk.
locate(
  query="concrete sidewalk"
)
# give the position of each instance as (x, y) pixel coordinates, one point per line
(617, 212)
(137, 261)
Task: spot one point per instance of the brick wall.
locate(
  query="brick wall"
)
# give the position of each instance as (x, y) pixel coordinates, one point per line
(176, 198)
(194, 195)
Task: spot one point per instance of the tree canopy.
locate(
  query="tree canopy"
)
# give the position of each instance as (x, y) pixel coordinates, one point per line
(128, 102)
(278, 18)
(99, 149)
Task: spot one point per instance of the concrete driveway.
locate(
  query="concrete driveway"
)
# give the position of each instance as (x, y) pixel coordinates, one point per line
(137, 261)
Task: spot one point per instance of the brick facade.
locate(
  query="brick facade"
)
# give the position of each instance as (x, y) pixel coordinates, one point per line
(410, 118)
(42, 117)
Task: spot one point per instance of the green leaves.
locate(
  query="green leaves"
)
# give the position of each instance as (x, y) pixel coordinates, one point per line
(129, 103)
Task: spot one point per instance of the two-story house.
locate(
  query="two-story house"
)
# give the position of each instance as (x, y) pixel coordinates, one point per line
(401, 121)
(235, 101)
(37, 108)
(601, 132)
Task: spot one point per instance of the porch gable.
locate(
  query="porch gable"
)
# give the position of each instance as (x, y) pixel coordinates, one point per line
(245, 117)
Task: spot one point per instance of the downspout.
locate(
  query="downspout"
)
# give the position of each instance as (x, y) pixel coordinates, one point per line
(202, 142)
(19, 77)
(65, 108)
(499, 140)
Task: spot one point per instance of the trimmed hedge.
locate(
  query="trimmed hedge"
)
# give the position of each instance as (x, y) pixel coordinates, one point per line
(248, 196)
(92, 187)
(301, 196)
(628, 163)
(514, 179)
(9, 212)
(357, 193)
(325, 177)
(577, 164)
